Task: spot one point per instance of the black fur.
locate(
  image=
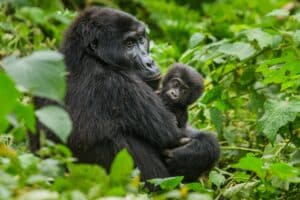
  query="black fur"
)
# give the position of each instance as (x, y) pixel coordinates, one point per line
(111, 106)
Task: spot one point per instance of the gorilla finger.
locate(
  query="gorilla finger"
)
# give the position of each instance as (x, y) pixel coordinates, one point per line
(185, 140)
(168, 153)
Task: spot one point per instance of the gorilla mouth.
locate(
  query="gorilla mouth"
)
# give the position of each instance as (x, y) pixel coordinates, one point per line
(154, 78)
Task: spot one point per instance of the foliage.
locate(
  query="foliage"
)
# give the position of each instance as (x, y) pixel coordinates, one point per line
(248, 52)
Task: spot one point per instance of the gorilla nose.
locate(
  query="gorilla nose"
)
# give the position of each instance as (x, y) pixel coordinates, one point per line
(150, 63)
(174, 94)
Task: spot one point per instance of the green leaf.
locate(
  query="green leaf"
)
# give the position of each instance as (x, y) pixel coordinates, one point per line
(121, 168)
(280, 70)
(25, 113)
(277, 114)
(216, 178)
(8, 95)
(167, 183)
(57, 120)
(241, 50)
(241, 177)
(263, 39)
(82, 177)
(252, 163)
(296, 37)
(42, 74)
(285, 172)
(196, 39)
(242, 190)
(279, 13)
(212, 94)
(216, 118)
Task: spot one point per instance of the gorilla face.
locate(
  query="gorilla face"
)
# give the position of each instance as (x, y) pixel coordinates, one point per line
(119, 40)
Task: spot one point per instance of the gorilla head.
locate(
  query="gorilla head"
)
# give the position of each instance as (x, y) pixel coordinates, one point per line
(117, 40)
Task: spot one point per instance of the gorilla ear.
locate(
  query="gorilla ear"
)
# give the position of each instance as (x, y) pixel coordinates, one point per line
(92, 46)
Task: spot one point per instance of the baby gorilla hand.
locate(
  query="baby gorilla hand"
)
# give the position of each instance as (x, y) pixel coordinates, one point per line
(197, 154)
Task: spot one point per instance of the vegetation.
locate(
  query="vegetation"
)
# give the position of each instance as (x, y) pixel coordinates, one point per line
(248, 52)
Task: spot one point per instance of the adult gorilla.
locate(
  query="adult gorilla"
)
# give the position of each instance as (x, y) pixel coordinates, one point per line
(106, 53)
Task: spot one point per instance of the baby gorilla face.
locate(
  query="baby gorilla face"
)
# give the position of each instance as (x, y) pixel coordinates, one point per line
(181, 86)
(177, 91)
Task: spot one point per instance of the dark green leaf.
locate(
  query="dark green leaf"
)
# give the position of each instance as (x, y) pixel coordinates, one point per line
(217, 118)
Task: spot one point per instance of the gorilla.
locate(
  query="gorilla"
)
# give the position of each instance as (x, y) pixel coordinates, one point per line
(112, 105)
(181, 87)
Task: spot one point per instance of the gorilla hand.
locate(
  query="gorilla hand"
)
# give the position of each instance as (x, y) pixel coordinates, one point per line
(197, 154)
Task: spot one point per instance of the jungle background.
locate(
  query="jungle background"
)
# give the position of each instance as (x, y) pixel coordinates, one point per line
(248, 52)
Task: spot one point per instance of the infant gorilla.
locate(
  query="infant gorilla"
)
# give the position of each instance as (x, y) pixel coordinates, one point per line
(181, 87)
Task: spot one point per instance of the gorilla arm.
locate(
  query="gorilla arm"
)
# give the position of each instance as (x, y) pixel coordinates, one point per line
(198, 154)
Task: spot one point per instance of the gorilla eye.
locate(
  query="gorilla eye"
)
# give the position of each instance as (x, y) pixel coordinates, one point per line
(129, 43)
(142, 40)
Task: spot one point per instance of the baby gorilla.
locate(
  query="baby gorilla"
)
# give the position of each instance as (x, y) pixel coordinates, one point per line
(181, 87)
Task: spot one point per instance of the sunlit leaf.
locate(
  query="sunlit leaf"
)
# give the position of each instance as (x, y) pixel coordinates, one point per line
(121, 168)
(8, 95)
(252, 163)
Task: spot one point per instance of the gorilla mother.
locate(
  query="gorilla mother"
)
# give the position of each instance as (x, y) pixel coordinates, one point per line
(107, 56)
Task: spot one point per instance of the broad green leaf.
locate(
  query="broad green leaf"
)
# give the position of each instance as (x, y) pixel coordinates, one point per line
(8, 95)
(167, 183)
(121, 168)
(56, 119)
(216, 178)
(217, 118)
(196, 39)
(285, 172)
(252, 163)
(263, 39)
(42, 74)
(277, 114)
(241, 50)
(279, 13)
(82, 177)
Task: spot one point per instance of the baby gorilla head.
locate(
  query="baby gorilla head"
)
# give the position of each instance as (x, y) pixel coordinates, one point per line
(182, 86)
